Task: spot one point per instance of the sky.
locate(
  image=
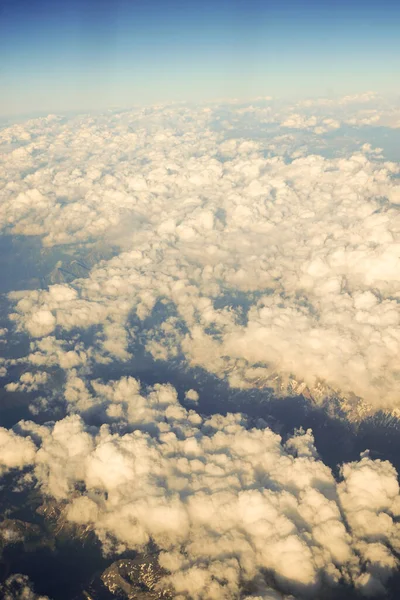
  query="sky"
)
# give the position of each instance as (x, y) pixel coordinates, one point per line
(93, 54)
(199, 307)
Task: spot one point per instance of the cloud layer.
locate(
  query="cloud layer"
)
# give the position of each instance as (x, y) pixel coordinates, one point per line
(230, 508)
(244, 242)
(274, 270)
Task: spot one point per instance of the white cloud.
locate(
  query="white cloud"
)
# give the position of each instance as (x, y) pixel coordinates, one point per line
(28, 382)
(303, 241)
(317, 124)
(18, 587)
(262, 263)
(15, 452)
(358, 98)
(66, 354)
(223, 503)
(192, 396)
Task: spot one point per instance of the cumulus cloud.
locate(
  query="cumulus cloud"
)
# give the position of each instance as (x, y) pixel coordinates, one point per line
(15, 452)
(192, 396)
(18, 587)
(311, 245)
(252, 257)
(369, 496)
(28, 382)
(224, 504)
(318, 125)
(66, 354)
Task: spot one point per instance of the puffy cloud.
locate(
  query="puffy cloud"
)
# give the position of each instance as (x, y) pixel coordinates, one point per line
(369, 496)
(15, 452)
(358, 110)
(317, 124)
(66, 354)
(358, 98)
(41, 323)
(18, 587)
(28, 382)
(192, 396)
(251, 256)
(223, 503)
(310, 246)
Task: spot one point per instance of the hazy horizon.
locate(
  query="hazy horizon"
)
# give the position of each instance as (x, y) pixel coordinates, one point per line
(85, 55)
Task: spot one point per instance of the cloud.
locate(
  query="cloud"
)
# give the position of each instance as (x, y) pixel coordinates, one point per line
(18, 587)
(225, 504)
(66, 354)
(358, 98)
(240, 249)
(311, 245)
(369, 496)
(15, 452)
(318, 125)
(28, 382)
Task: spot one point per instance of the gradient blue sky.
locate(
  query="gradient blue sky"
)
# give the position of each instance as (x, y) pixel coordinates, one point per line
(80, 54)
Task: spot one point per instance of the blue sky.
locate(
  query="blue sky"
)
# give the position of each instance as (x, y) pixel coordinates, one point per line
(59, 56)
